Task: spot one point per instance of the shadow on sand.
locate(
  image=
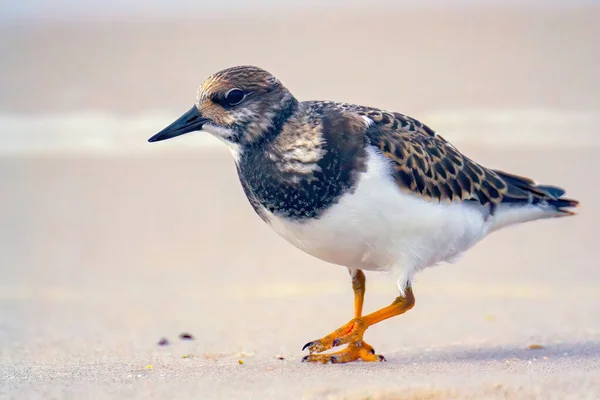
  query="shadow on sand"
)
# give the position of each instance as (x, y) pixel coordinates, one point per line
(579, 350)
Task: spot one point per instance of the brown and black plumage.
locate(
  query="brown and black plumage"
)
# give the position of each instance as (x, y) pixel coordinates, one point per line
(357, 186)
(427, 165)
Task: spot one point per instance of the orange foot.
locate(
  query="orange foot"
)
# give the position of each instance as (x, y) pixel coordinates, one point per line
(352, 334)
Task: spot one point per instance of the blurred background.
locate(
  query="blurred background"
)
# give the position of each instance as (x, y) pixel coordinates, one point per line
(98, 75)
(108, 243)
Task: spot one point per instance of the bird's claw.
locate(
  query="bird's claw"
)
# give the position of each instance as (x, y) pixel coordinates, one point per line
(352, 332)
(353, 352)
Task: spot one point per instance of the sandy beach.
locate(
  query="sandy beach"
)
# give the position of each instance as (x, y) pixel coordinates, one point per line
(108, 255)
(108, 245)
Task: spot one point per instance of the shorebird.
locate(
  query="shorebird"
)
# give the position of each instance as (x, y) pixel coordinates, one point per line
(357, 186)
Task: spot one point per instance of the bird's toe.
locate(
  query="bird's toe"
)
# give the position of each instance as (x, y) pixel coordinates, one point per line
(307, 345)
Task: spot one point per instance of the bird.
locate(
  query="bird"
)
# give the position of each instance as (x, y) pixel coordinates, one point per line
(358, 186)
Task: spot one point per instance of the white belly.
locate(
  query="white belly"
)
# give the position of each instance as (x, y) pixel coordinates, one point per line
(380, 227)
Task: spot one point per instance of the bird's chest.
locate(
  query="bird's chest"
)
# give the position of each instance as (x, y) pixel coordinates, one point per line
(322, 214)
(376, 225)
(293, 195)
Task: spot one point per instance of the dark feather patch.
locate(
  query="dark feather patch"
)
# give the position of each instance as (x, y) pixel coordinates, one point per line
(420, 182)
(465, 182)
(553, 191)
(441, 171)
(294, 193)
(450, 167)
(406, 179)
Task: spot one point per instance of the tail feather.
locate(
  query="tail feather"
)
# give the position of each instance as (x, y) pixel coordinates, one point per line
(552, 190)
(562, 205)
(545, 196)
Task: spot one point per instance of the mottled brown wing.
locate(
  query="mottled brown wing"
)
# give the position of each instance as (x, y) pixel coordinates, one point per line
(427, 165)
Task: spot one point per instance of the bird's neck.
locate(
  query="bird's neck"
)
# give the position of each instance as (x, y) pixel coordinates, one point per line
(261, 138)
(274, 128)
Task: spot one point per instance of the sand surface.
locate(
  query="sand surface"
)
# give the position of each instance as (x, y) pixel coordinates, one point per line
(104, 256)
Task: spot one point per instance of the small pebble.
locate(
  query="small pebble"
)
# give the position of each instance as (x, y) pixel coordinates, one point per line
(186, 336)
(241, 362)
(280, 357)
(163, 341)
(535, 346)
(148, 366)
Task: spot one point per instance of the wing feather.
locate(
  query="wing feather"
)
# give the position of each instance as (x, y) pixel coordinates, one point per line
(427, 165)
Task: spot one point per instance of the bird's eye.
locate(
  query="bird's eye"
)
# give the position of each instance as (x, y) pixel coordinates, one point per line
(234, 97)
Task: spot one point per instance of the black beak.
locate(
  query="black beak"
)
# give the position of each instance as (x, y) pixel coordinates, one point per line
(189, 122)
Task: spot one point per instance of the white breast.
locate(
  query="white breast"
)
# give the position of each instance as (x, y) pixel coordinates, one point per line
(380, 227)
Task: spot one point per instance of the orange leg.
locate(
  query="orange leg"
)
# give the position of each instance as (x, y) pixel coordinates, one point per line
(359, 288)
(352, 333)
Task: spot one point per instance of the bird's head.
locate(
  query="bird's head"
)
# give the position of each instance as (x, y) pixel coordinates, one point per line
(240, 105)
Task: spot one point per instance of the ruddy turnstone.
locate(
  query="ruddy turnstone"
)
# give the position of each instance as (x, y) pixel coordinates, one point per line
(357, 186)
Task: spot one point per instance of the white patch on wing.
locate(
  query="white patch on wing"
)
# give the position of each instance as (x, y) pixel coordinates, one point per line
(368, 120)
(380, 227)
